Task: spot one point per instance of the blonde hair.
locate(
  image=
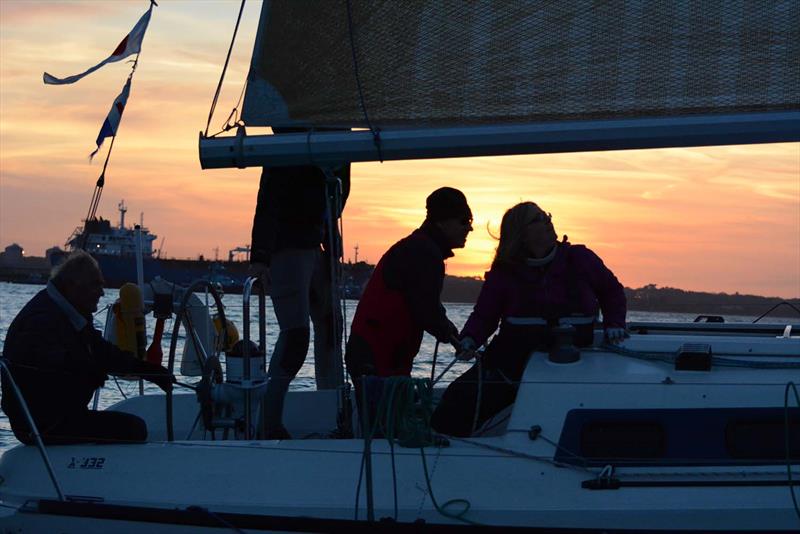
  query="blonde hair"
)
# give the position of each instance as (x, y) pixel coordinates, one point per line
(511, 249)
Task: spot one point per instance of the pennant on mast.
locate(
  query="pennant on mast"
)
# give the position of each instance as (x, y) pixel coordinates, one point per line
(131, 44)
(111, 124)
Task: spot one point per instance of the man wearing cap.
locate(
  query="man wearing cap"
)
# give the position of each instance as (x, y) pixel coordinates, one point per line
(402, 298)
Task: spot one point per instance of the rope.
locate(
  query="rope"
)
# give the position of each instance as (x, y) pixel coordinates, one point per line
(224, 69)
(478, 397)
(404, 411)
(124, 396)
(459, 516)
(433, 363)
(233, 120)
(446, 369)
(778, 305)
(403, 417)
(376, 133)
(523, 455)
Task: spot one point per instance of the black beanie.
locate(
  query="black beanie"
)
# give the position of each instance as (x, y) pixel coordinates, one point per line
(447, 203)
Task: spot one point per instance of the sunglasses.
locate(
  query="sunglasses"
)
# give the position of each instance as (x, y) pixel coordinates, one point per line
(466, 221)
(541, 217)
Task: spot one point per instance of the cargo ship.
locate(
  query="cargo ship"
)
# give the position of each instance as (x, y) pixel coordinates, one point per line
(114, 248)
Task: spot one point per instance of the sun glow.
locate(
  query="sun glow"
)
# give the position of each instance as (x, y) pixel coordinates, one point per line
(713, 219)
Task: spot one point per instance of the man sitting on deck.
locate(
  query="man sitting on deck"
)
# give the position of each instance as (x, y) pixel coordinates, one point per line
(58, 359)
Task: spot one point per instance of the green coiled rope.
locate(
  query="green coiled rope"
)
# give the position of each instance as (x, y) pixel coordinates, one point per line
(403, 417)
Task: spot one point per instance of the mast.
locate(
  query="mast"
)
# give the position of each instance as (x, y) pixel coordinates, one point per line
(122, 209)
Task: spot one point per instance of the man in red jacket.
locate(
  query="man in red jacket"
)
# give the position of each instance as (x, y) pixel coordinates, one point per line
(403, 297)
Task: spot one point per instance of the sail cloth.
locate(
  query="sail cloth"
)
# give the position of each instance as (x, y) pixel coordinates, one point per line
(455, 62)
(111, 124)
(131, 44)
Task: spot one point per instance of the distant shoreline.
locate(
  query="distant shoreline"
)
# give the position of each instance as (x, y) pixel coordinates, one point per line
(463, 289)
(652, 298)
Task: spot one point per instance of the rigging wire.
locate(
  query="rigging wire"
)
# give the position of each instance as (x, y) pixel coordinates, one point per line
(224, 69)
(333, 203)
(376, 132)
(341, 271)
(101, 181)
(778, 305)
(233, 120)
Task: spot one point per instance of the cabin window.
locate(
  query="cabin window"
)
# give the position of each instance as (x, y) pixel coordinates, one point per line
(614, 439)
(763, 438)
(719, 436)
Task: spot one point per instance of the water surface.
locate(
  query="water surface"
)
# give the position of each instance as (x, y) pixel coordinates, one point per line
(14, 296)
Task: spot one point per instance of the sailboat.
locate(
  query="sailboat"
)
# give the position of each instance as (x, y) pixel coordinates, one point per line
(681, 428)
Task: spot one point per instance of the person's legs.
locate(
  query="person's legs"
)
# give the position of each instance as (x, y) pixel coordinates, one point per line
(327, 331)
(92, 427)
(291, 272)
(456, 409)
(455, 413)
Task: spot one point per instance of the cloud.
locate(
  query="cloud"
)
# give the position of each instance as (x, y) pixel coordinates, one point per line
(715, 218)
(19, 12)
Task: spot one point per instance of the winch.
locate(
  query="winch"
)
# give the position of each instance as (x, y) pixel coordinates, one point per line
(232, 400)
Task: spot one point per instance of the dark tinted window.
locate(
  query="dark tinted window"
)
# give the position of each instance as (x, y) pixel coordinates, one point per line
(610, 439)
(705, 436)
(762, 438)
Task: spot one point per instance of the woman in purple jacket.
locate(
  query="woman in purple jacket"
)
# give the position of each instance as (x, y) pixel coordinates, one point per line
(535, 283)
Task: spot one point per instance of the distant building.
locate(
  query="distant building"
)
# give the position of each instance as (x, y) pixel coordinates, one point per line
(16, 267)
(13, 255)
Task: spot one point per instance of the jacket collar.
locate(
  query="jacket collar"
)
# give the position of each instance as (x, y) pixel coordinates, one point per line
(77, 320)
(438, 237)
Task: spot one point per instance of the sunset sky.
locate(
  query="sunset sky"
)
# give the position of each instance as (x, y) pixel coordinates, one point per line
(706, 219)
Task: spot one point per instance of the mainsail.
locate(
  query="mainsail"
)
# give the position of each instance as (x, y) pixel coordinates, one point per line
(422, 64)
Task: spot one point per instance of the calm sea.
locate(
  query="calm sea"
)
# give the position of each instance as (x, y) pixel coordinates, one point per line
(14, 296)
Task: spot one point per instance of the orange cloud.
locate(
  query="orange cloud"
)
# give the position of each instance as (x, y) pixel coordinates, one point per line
(716, 219)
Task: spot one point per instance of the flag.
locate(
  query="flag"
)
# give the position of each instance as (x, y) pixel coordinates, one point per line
(111, 124)
(131, 44)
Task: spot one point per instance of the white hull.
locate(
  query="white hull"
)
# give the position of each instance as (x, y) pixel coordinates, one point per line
(509, 480)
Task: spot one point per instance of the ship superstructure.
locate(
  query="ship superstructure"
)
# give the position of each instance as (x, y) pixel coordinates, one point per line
(98, 237)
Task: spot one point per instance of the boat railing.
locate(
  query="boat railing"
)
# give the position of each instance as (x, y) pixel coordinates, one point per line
(716, 328)
(247, 382)
(34, 429)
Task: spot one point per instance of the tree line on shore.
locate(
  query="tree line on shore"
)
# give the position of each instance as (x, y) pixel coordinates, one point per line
(658, 299)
